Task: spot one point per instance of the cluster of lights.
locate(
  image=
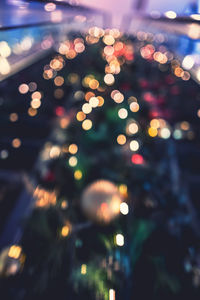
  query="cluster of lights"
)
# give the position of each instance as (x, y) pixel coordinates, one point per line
(71, 48)
(159, 127)
(44, 198)
(117, 96)
(178, 71)
(50, 70)
(5, 51)
(35, 99)
(183, 130)
(162, 56)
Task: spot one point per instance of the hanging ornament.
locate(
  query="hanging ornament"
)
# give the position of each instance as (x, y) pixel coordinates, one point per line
(101, 201)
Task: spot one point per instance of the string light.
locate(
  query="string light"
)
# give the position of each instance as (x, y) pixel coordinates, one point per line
(86, 108)
(101, 100)
(32, 112)
(124, 209)
(165, 133)
(170, 14)
(15, 251)
(87, 124)
(134, 107)
(134, 145)
(73, 161)
(80, 116)
(23, 88)
(152, 132)
(121, 139)
(78, 174)
(94, 102)
(83, 269)
(73, 148)
(65, 231)
(16, 143)
(109, 79)
(119, 239)
(123, 113)
(13, 117)
(111, 294)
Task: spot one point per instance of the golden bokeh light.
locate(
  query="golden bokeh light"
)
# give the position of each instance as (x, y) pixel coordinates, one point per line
(87, 124)
(23, 88)
(80, 116)
(73, 149)
(36, 95)
(123, 113)
(132, 128)
(134, 107)
(109, 79)
(35, 103)
(155, 123)
(88, 95)
(32, 112)
(94, 102)
(121, 139)
(83, 269)
(108, 39)
(65, 230)
(153, 132)
(16, 143)
(58, 80)
(5, 49)
(101, 101)
(13, 117)
(15, 251)
(73, 161)
(93, 84)
(86, 108)
(78, 175)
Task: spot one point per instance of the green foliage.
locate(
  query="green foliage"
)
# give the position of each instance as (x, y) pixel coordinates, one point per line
(95, 279)
(140, 231)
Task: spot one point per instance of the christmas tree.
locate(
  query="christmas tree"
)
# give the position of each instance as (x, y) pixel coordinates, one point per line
(110, 218)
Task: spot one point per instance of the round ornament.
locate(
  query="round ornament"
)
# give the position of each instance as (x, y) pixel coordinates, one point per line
(101, 201)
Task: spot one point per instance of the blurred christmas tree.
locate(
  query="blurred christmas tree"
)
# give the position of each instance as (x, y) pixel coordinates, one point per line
(107, 203)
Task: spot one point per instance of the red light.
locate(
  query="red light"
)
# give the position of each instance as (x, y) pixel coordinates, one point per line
(137, 159)
(59, 111)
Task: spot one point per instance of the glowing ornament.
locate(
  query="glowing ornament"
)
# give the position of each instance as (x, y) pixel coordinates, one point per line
(101, 201)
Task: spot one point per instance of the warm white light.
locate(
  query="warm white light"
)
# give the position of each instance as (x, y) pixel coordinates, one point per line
(171, 14)
(123, 113)
(134, 145)
(124, 209)
(73, 161)
(94, 102)
(195, 17)
(188, 62)
(111, 294)
(86, 108)
(119, 240)
(165, 133)
(109, 79)
(54, 152)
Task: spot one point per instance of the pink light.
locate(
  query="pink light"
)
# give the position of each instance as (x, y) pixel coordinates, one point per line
(137, 159)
